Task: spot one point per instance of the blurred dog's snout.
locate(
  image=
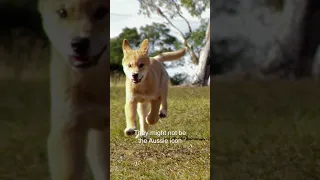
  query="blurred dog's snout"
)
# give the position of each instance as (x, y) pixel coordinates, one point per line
(135, 75)
(80, 45)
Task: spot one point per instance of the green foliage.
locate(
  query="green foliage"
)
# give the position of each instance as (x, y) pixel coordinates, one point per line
(195, 7)
(158, 35)
(197, 37)
(132, 35)
(159, 41)
(173, 8)
(115, 54)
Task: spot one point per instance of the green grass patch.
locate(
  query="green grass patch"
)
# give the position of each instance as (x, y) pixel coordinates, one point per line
(265, 130)
(188, 111)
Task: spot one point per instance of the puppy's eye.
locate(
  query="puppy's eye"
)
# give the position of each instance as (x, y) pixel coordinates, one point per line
(100, 13)
(129, 65)
(141, 65)
(62, 13)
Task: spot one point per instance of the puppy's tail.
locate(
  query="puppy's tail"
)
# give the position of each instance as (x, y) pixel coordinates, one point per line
(171, 56)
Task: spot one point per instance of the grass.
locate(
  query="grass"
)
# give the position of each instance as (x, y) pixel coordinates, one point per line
(259, 131)
(117, 79)
(265, 130)
(189, 159)
(24, 126)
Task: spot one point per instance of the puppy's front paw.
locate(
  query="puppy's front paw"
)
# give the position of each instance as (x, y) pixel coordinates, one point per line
(129, 131)
(152, 120)
(162, 113)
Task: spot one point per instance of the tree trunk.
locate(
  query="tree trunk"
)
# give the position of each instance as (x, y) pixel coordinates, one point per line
(203, 69)
(294, 51)
(285, 52)
(311, 39)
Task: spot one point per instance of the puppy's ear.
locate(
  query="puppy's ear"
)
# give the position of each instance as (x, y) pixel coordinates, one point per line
(126, 46)
(144, 47)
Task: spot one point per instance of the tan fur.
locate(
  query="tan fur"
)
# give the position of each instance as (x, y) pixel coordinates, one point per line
(151, 89)
(79, 97)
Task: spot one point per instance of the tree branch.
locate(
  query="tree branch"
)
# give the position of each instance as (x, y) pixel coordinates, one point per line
(194, 57)
(180, 14)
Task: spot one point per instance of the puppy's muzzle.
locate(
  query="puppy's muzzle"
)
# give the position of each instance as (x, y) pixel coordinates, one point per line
(135, 78)
(81, 59)
(80, 46)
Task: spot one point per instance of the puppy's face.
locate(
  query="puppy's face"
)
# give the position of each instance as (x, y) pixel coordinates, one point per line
(135, 62)
(77, 29)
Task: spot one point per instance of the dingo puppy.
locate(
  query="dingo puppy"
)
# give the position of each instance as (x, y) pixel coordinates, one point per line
(78, 31)
(146, 83)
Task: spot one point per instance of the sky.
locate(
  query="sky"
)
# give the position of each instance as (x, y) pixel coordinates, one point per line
(124, 13)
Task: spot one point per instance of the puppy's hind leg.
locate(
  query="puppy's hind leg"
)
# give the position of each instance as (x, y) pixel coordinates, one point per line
(164, 103)
(97, 153)
(66, 153)
(142, 112)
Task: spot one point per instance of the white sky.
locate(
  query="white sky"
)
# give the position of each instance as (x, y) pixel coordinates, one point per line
(124, 13)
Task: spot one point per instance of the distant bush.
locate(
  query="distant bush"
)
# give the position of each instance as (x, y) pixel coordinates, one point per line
(178, 79)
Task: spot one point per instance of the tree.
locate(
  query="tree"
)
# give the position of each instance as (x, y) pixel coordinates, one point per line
(158, 35)
(203, 69)
(294, 47)
(132, 35)
(169, 10)
(294, 50)
(198, 37)
(172, 9)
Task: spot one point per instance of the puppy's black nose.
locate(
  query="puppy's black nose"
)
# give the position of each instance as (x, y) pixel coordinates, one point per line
(80, 45)
(135, 75)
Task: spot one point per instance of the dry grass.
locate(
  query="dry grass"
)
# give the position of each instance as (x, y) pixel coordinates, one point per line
(117, 80)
